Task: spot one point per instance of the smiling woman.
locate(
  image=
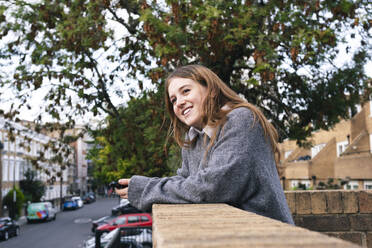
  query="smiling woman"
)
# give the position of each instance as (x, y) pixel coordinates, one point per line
(229, 150)
(187, 98)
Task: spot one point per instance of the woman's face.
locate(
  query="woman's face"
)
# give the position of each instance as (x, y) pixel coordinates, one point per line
(186, 97)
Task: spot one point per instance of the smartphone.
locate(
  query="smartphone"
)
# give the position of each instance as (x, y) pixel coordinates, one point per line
(115, 184)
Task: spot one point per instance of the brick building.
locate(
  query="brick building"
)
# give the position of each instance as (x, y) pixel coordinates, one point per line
(342, 153)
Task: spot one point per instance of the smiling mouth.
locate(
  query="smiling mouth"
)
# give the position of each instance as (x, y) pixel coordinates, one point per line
(186, 111)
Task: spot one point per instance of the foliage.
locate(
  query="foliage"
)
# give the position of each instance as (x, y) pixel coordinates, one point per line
(8, 201)
(300, 186)
(271, 52)
(331, 184)
(32, 188)
(279, 55)
(49, 150)
(135, 145)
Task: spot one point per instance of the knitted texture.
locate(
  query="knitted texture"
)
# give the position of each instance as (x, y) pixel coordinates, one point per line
(239, 169)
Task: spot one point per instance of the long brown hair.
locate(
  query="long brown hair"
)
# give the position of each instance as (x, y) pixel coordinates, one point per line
(218, 95)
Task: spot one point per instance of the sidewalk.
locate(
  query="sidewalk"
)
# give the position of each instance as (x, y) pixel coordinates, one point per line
(22, 220)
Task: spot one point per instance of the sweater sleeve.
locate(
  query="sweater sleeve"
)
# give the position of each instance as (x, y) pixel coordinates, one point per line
(184, 170)
(227, 175)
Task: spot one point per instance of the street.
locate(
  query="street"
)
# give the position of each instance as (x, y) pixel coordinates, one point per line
(70, 229)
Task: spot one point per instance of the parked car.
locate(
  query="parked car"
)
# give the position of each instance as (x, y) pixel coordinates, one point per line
(8, 228)
(78, 200)
(40, 211)
(105, 238)
(69, 204)
(100, 221)
(126, 220)
(89, 198)
(124, 208)
(142, 236)
(131, 244)
(138, 238)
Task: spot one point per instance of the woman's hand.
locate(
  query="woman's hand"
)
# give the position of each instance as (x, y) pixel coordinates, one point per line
(123, 193)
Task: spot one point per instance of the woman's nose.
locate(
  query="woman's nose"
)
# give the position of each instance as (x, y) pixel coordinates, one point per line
(180, 102)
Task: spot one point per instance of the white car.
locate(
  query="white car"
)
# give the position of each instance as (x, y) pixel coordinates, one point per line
(105, 238)
(142, 236)
(124, 202)
(78, 200)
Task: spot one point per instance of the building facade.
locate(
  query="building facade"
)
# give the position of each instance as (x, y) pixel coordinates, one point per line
(342, 154)
(21, 146)
(80, 146)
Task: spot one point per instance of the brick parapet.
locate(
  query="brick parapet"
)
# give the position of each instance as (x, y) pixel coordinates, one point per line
(345, 214)
(329, 201)
(221, 225)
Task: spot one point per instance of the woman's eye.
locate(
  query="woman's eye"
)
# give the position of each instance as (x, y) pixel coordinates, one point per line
(186, 90)
(173, 101)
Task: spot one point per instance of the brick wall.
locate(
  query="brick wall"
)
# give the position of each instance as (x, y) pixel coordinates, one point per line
(221, 226)
(356, 167)
(338, 213)
(339, 131)
(368, 117)
(323, 164)
(358, 123)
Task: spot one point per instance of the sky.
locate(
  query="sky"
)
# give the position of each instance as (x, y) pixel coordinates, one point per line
(37, 97)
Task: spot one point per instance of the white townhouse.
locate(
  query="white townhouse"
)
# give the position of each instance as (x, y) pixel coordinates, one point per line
(20, 146)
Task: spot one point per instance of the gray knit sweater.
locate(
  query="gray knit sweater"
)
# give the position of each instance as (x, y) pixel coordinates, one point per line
(239, 170)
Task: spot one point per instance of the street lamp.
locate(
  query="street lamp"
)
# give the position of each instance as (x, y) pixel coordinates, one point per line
(14, 182)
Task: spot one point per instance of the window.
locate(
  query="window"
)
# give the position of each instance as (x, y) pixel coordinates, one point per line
(352, 185)
(5, 170)
(11, 169)
(18, 147)
(306, 183)
(22, 169)
(367, 184)
(300, 184)
(358, 107)
(294, 183)
(133, 219)
(316, 149)
(287, 153)
(121, 221)
(17, 165)
(341, 147)
(144, 218)
(33, 148)
(6, 143)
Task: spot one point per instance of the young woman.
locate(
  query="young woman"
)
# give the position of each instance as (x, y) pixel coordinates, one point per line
(229, 150)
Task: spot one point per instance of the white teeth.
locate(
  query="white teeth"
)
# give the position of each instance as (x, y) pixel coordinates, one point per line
(186, 111)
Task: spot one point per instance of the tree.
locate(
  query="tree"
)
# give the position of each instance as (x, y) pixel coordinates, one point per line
(64, 46)
(135, 144)
(14, 209)
(55, 151)
(32, 188)
(277, 54)
(271, 52)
